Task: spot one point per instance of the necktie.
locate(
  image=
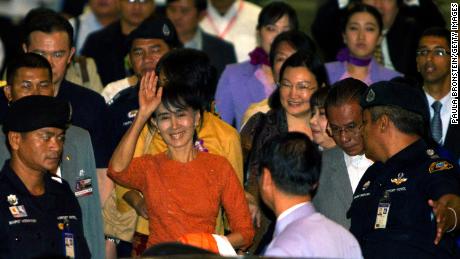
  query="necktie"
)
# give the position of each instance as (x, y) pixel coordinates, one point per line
(436, 123)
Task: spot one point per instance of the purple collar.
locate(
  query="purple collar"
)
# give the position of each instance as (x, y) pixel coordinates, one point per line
(345, 55)
(259, 56)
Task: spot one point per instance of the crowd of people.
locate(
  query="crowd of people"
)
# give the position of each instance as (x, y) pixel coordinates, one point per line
(131, 130)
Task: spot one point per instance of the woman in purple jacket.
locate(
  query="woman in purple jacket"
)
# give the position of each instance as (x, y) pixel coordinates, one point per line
(252, 81)
(362, 33)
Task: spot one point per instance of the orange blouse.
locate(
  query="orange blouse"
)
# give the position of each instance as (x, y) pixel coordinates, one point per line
(184, 198)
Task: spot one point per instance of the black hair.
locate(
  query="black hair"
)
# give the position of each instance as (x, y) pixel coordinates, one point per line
(191, 68)
(29, 60)
(200, 5)
(362, 8)
(297, 39)
(272, 12)
(307, 59)
(345, 91)
(318, 98)
(177, 95)
(293, 161)
(406, 121)
(437, 32)
(47, 21)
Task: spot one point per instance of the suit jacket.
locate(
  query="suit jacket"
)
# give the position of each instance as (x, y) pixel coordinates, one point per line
(452, 139)
(78, 156)
(90, 112)
(108, 48)
(220, 52)
(402, 39)
(306, 233)
(335, 194)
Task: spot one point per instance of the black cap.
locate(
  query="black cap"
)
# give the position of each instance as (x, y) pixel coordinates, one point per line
(156, 28)
(394, 94)
(35, 112)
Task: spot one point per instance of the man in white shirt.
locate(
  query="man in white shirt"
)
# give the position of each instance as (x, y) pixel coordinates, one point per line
(433, 64)
(344, 165)
(234, 21)
(288, 175)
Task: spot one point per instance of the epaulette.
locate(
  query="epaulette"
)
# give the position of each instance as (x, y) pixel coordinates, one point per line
(439, 166)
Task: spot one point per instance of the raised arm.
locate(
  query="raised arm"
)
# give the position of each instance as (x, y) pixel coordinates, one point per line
(149, 100)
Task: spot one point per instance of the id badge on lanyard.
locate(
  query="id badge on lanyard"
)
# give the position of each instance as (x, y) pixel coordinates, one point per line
(382, 212)
(68, 241)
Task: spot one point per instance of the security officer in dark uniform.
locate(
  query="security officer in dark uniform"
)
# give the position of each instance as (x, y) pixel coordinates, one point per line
(147, 44)
(39, 214)
(407, 204)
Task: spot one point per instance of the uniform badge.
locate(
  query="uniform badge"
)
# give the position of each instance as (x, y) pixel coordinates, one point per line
(432, 154)
(83, 185)
(366, 185)
(440, 166)
(18, 211)
(370, 96)
(401, 179)
(12, 199)
(132, 114)
(166, 30)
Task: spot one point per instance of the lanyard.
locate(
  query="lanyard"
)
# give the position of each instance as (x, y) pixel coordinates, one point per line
(229, 25)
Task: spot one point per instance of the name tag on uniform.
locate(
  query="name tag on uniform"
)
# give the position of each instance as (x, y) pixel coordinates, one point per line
(83, 187)
(382, 215)
(69, 245)
(18, 211)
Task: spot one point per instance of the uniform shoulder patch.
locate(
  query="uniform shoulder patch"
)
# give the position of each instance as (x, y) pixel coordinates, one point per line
(440, 166)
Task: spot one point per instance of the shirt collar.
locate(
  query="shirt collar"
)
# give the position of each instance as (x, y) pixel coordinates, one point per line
(228, 15)
(196, 42)
(13, 178)
(445, 101)
(301, 210)
(359, 161)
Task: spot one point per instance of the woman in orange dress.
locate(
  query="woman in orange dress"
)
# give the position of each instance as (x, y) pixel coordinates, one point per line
(183, 187)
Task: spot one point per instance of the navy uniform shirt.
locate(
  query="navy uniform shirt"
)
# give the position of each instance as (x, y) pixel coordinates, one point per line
(89, 111)
(122, 111)
(31, 226)
(410, 178)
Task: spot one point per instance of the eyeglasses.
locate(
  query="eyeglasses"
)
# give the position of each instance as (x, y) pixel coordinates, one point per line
(439, 52)
(351, 129)
(301, 86)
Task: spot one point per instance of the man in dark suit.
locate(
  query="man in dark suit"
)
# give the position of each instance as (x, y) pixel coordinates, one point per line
(186, 16)
(433, 64)
(343, 166)
(107, 46)
(402, 25)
